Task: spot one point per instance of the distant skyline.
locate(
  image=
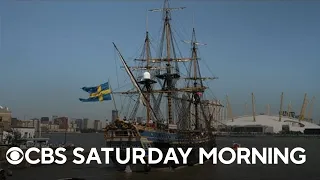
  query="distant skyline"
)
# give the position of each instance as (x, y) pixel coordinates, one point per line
(49, 50)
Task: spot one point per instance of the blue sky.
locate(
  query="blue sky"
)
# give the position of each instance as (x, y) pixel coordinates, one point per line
(49, 50)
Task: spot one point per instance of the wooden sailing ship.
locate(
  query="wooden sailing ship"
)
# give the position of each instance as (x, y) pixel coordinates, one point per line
(176, 114)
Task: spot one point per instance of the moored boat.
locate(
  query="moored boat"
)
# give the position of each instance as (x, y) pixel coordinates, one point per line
(235, 146)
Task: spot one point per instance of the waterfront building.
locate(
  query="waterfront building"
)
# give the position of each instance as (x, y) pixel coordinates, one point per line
(5, 117)
(96, 125)
(85, 123)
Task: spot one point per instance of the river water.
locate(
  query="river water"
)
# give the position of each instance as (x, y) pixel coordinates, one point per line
(310, 170)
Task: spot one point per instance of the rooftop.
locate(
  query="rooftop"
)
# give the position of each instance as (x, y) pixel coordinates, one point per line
(4, 109)
(272, 121)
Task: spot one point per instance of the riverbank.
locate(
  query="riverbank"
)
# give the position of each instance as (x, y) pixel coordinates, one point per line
(269, 135)
(72, 132)
(61, 132)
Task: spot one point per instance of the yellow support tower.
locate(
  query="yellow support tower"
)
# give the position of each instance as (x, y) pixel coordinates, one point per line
(281, 102)
(311, 109)
(253, 107)
(303, 108)
(289, 109)
(229, 108)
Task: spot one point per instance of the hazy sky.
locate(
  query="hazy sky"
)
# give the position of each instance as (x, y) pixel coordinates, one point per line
(49, 50)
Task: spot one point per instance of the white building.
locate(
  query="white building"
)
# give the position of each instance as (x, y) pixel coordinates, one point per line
(272, 123)
(5, 117)
(25, 132)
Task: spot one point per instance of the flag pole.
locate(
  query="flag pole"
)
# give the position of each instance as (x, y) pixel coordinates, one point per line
(114, 102)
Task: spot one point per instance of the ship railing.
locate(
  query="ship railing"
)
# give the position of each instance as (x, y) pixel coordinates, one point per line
(141, 127)
(121, 134)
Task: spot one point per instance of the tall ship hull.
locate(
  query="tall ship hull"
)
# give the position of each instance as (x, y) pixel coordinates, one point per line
(127, 135)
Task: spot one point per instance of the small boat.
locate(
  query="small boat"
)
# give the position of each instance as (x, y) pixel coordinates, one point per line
(235, 146)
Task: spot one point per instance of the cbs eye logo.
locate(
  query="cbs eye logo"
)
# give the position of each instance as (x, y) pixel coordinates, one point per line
(14, 156)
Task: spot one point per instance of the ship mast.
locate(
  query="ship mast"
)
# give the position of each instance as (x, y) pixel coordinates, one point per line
(196, 95)
(168, 76)
(147, 81)
(169, 80)
(147, 48)
(198, 87)
(147, 42)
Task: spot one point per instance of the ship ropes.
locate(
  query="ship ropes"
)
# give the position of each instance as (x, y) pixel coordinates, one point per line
(166, 89)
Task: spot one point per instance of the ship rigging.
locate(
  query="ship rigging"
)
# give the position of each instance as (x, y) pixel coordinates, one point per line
(173, 99)
(163, 92)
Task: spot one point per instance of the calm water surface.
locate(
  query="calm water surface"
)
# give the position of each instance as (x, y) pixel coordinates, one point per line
(310, 170)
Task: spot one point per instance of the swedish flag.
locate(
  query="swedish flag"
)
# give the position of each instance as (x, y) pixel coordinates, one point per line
(98, 93)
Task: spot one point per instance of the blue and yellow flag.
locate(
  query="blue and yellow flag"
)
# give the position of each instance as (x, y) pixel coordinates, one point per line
(98, 93)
